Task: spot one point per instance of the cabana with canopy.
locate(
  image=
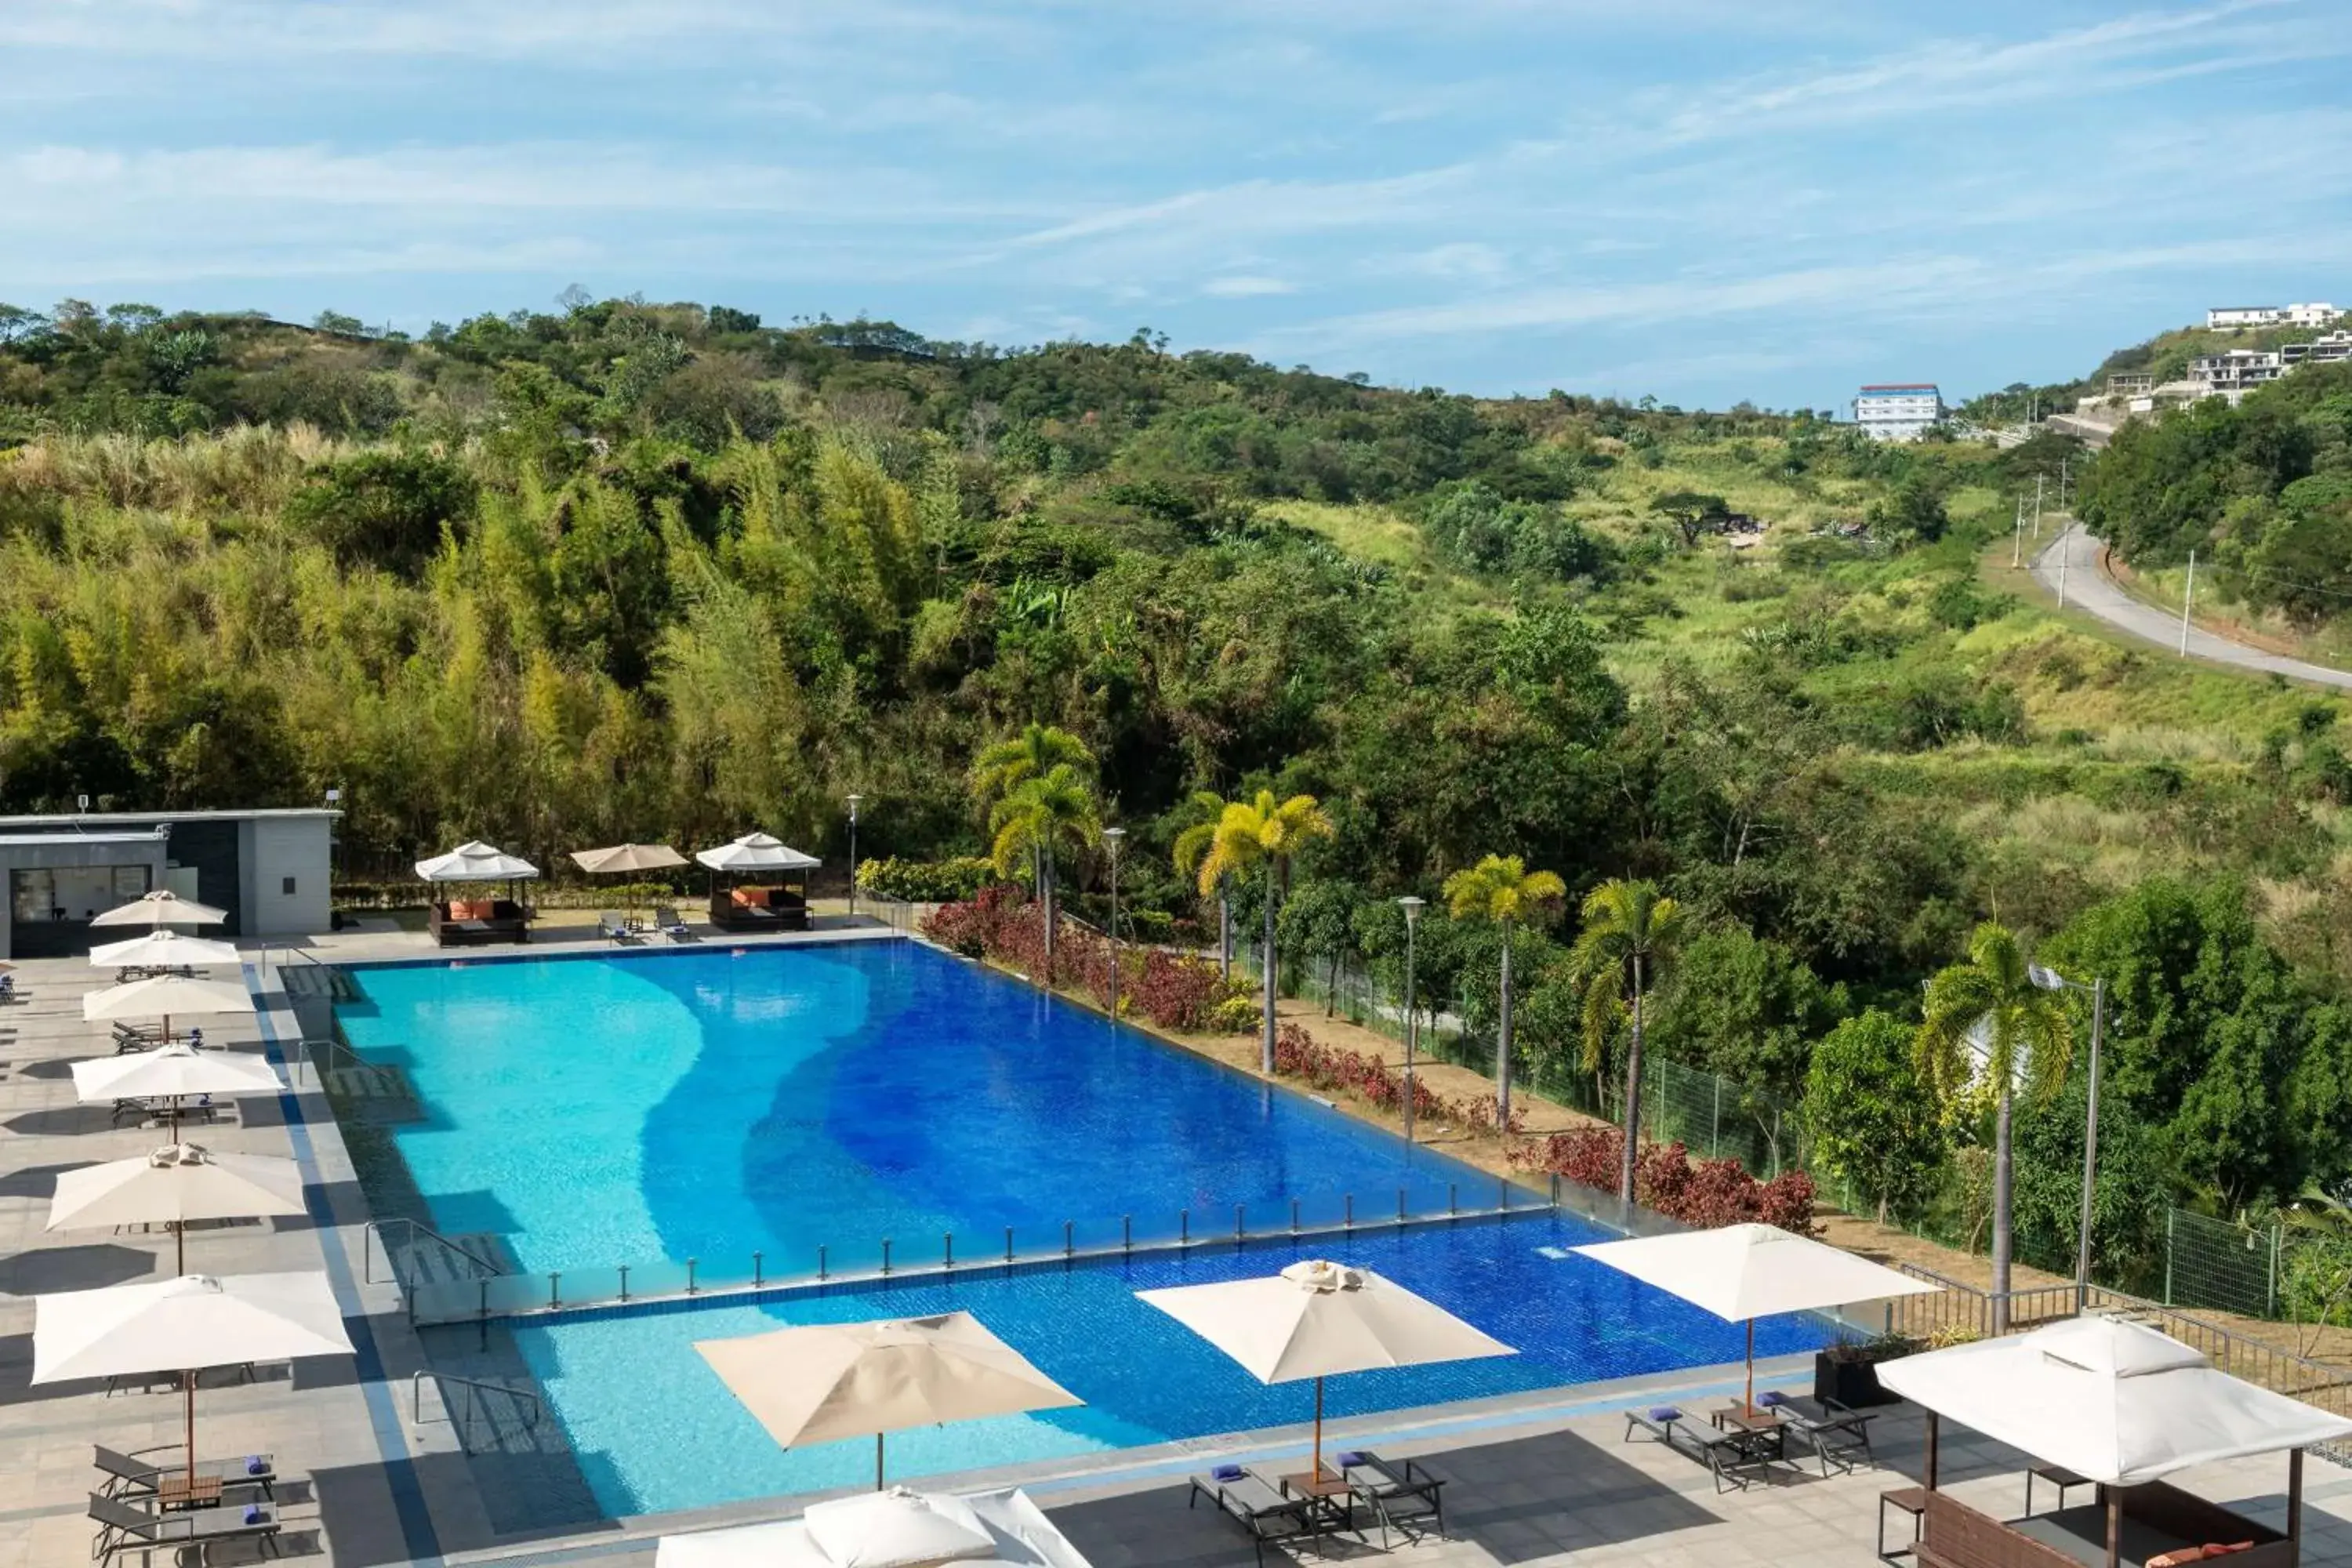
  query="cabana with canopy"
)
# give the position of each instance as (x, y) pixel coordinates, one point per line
(2122, 1406)
(762, 899)
(459, 923)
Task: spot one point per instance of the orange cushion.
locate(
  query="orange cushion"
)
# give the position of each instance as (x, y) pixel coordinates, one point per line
(2214, 1549)
(2179, 1558)
(751, 897)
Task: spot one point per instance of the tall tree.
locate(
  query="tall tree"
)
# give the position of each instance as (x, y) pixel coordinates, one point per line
(1632, 932)
(1040, 815)
(1262, 835)
(1003, 767)
(1501, 889)
(1192, 847)
(1988, 1016)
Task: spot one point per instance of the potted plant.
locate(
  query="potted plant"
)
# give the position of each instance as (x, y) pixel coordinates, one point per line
(1847, 1370)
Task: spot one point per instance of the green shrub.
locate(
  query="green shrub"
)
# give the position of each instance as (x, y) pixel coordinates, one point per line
(925, 881)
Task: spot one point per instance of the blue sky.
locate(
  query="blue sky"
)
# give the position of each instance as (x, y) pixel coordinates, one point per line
(1703, 199)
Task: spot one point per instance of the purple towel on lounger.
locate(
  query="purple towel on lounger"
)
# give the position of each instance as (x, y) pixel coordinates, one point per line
(1350, 1459)
(1664, 1413)
(1227, 1473)
(255, 1516)
(256, 1466)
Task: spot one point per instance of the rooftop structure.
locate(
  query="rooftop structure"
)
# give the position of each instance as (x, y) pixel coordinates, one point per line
(1898, 411)
(2333, 348)
(267, 867)
(2312, 314)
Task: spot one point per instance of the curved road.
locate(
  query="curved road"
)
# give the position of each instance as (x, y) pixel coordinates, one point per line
(2090, 588)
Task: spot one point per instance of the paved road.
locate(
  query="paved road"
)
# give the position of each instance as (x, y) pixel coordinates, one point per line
(2088, 587)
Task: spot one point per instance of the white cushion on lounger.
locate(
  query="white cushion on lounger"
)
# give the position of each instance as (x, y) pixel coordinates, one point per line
(899, 1529)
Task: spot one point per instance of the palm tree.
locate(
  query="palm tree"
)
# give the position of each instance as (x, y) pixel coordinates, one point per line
(1630, 932)
(1502, 890)
(1001, 768)
(1037, 816)
(1262, 834)
(1192, 846)
(1990, 1008)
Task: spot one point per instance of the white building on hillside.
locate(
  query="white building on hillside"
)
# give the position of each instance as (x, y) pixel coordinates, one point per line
(1898, 411)
(2314, 314)
(2235, 373)
(2335, 348)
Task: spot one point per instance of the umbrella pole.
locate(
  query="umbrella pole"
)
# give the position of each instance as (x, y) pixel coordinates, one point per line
(1316, 1469)
(878, 1461)
(179, 1246)
(1751, 1365)
(192, 1432)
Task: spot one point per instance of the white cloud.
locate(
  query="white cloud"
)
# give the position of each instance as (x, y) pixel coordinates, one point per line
(1246, 285)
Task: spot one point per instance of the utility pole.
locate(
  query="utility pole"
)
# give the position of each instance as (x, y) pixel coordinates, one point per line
(2065, 549)
(2188, 599)
(2017, 537)
(2037, 504)
(2062, 477)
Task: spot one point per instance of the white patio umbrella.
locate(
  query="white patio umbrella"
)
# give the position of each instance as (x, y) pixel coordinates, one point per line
(756, 852)
(171, 1072)
(474, 861)
(162, 948)
(183, 1326)
(831, 1380)
(1743, 1272)
(998, 1529)
(161, 908)
(174, 1185)
(163, 996)
(2114, 1402)
(1317, 1319)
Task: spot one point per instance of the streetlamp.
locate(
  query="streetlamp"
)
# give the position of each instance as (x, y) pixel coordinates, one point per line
(853, 855)
(334, 797)
(2051, 980)
(1114, 837)
(1411, 908)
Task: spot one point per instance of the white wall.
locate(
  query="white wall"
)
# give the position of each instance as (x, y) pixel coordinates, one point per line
(270, 850)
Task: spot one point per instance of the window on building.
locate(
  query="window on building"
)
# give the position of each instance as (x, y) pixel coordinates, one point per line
(44, 894)
(289, 887)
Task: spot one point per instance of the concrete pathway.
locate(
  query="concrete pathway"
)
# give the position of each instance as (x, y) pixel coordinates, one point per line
(2072, 560)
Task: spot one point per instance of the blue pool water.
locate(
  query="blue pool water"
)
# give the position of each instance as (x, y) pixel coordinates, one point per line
(649, 1108)
(635, 1109)
(654, 1429)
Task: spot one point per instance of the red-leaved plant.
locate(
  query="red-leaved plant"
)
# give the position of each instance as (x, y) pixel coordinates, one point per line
(1705, 1194)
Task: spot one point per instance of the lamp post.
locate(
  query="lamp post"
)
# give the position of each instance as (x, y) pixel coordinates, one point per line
(1411, 908)
(853, 855)
(2051, 980)
(334, 798)
(1114, 837)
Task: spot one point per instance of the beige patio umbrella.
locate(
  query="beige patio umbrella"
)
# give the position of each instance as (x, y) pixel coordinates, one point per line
(832, 1381)
(627, 857)
(163, 948)
(161, 908)
(183, 1326)
(165, 995)
(174, 1185)
(1743, 1272)
(1316, 1320)
(171, 1072)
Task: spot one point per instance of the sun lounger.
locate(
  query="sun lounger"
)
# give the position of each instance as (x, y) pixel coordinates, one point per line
(1403, 1496)
(129, 1476)
(666, 921)
(7, 989)
(1734, 1457)
(1838, 1435)
(125, 1527)
(1259, 1506)
(613, 926)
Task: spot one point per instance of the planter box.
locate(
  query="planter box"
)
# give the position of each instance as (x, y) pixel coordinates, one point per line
(1853, 1383)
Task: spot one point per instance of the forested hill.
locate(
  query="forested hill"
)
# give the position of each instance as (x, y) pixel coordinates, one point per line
(659, 573)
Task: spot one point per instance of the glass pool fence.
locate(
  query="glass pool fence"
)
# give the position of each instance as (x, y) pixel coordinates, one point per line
(442, 1283)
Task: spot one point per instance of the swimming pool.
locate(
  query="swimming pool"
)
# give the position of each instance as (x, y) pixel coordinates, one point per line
(637, 1108)
(653, 1429)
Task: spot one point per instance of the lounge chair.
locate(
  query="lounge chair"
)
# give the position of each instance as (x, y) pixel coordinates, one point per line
(1259, 1506)
(1735, 1457)
(613, 926)
(7, 989)
(1837, 1436)
(1404, 1496)
(125, 1527)
(129, 1476)
(666, 921)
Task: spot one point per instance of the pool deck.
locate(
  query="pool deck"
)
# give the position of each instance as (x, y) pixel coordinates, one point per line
(1532, 1479)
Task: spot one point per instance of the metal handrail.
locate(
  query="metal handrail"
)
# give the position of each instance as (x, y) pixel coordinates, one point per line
(334, 1049)
(475, 1388)
(490, 1270)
